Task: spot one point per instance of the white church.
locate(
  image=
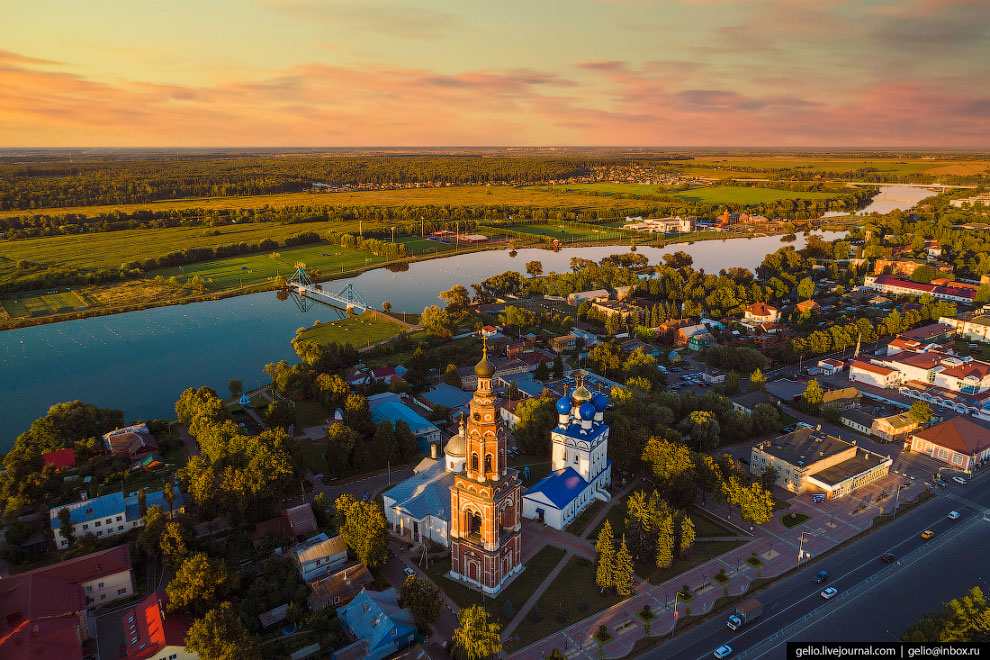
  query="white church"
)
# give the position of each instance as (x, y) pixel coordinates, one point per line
(580, 469)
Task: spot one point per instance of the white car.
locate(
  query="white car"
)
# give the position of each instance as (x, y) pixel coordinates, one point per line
(953, 515)
(723, 651)
(959, 480)
(829, 592)
(408, 571)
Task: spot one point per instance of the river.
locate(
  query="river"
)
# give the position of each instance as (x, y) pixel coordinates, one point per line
(890, 198)
(141, 361)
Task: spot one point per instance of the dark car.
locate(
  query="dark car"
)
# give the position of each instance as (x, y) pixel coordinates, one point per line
(887, 557)
(820, 577)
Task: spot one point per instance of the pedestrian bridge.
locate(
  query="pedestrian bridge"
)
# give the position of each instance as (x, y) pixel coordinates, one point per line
(346, 299)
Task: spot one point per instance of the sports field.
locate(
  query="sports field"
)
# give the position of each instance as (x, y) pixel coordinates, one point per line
(42, 304)
(358, 331)
(746, 195)
(568, 233)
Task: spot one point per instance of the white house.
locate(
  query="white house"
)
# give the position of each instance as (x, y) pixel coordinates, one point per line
(872, 374)
(758, 313)
(318, 556)
(580, 468)
(109, 515)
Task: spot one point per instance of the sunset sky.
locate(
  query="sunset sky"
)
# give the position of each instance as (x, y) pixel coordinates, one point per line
(539, 72)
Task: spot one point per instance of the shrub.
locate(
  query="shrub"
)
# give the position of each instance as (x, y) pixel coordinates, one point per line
(535, 615)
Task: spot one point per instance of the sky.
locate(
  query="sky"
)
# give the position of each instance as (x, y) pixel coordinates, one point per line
(227, 73)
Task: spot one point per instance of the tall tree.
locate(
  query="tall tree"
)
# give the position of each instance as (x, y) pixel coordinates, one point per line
(199, 583)
(921, 411)
(437, 321)
(686, 537)
(665, 542)
(220, 635)
(605, 551)
(623, 572)
(173, 544)
(364, 529)
(451, 377)
(806, 288)
(423, 599)
(534, 268)
(64, 519)
(235, 387)
(476, 636)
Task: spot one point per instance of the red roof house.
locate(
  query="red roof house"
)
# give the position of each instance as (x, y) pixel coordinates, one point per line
(60, 459)
(41, 618)
(150, 631)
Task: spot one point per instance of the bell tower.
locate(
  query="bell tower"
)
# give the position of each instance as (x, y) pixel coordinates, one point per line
(485, 502)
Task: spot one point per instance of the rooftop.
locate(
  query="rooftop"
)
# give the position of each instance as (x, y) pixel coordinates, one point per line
(959, 434)
(863, 460)
(804, 447)
(320, 546)
(395, 411)
(872, 368)
(88, 567)
(426, 493)
(927, 332)
(560, 487)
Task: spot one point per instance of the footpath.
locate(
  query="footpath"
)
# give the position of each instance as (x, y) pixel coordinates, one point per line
(769, 551)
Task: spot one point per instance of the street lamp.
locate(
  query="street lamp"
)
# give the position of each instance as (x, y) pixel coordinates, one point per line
(673, 627)
(801, 547)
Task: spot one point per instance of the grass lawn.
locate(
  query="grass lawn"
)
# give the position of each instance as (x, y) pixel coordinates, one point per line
(536, 472)
(249, 268)
(704, 524)
(518, 592)
(312, 453)
(746, 195)
(571, 597)
(779, 504)
(358, 331)
(792, 520)
(702, 552)
(566, 232)
(309, 413)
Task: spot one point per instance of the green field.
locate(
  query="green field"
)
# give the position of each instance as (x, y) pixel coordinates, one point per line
(43, 304)
(245, 269)
(746, 195)
(358, 331)
(566, 233)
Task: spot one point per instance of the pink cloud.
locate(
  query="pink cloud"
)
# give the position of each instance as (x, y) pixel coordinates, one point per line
(662, 102)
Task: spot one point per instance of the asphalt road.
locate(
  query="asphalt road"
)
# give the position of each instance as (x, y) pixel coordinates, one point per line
(874, 597)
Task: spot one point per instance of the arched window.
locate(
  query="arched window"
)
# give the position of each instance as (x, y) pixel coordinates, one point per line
(488, 463)
(474, 462)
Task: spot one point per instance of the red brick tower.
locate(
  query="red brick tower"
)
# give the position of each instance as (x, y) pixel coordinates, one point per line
(485, 504)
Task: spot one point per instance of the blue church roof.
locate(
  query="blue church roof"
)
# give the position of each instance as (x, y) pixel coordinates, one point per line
(560, 487)
(575, 431)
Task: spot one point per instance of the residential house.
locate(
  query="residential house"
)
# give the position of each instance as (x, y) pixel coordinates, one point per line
(684, 333)
(133, 441)
(811, 461)
(339, 588)
(507, 412)
(43, 618)
(318, 556)
(842, 399)
(747, 401)
(109, 515)
(958, 442)
(295, 522)
(830, 367)
(808, 307)
(151, 633)
(104, 576)
(894, 428)
(786, 390)
(761, 313)
(700, 340)
(60, 459)
(515, 349)
(934, 333)
(489, 331)
(672, 326)
(389, 406)
(378, 626)
(563, 343)
(872, 374)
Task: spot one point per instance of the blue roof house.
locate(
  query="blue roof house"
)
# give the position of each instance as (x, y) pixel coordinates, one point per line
(109, 515)
(378, 625)
(388, 406)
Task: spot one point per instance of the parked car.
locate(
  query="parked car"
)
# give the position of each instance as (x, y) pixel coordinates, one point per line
(887, 557)
(959, 480)
(821, 576)
(829, 592)
(927, 534)
(788, 429)
(723, 651)
(953, 515)
(408, 571)
(366, 497)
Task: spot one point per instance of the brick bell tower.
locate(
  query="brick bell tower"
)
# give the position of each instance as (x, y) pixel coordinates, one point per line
(485, 503)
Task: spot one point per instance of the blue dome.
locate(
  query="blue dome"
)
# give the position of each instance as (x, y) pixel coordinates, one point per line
(563, 405)
(587, 411)
(600, 402)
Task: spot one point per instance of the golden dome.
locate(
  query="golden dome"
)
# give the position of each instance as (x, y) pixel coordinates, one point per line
(484, 369)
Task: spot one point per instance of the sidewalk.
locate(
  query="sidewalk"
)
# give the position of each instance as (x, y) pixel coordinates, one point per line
(773, 547)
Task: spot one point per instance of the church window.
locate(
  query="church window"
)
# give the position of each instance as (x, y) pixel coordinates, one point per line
(488, 462)
(474, 462)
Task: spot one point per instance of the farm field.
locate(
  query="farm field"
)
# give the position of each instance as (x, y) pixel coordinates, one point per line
(609, 188)
(453, 196)
(722, 166)
(745, 195)
(358, 331)
(259, 267)
(43, 304)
